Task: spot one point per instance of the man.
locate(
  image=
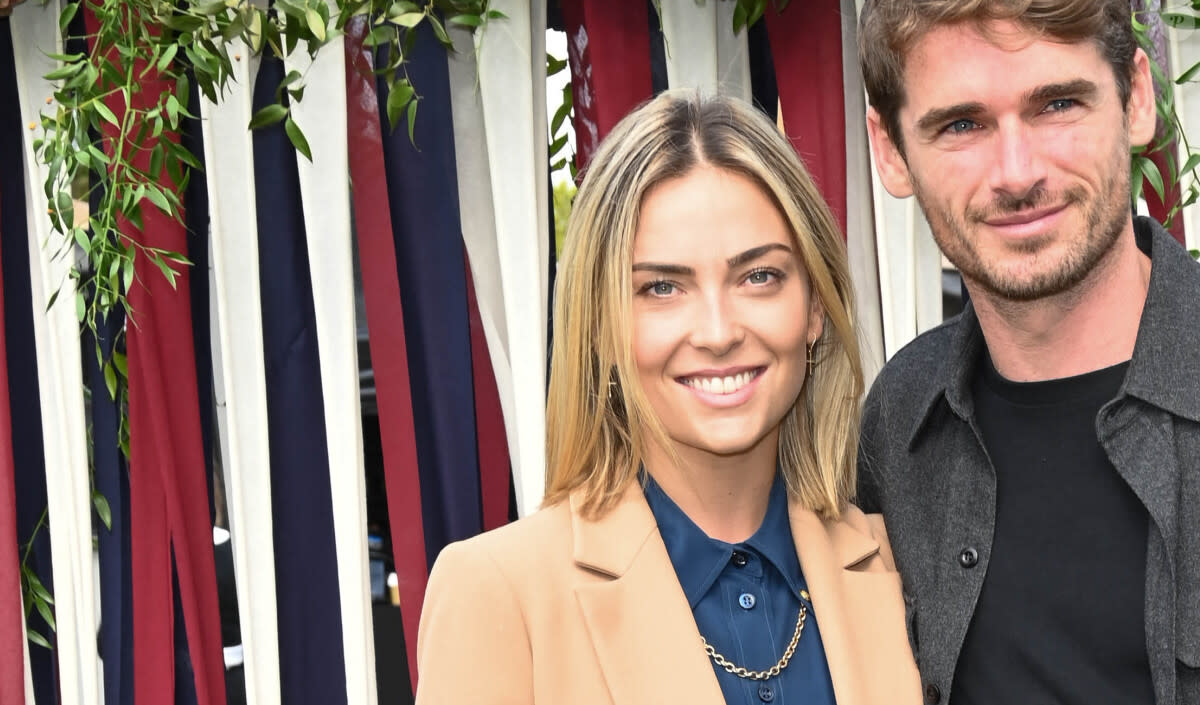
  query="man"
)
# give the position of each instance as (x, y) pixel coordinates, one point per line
(1036, 459)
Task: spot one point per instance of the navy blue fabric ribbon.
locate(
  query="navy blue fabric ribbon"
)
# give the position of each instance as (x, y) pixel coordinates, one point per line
(28, 456)
(423, 195)
(311, 659)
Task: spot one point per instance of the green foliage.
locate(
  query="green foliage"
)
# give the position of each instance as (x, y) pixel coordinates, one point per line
(143, 58)
(1171, 134)
(564, 197)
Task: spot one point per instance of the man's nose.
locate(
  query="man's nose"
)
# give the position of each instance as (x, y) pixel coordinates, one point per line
(1018, 167)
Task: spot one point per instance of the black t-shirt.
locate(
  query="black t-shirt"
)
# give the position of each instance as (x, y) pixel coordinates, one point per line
(1060, 618)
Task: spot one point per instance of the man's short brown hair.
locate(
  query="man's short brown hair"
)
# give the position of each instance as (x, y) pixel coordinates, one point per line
(888, 29)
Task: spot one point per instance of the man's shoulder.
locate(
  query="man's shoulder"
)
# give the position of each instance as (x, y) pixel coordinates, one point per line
(919, 365)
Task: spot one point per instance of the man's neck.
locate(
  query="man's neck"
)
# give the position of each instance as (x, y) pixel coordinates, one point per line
(1092, 326)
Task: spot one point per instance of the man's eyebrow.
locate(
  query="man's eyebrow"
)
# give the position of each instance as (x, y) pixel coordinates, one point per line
(1079, 88)
(756, 252)
(936, 118)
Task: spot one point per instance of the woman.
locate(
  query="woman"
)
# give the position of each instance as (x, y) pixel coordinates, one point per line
(696, 544)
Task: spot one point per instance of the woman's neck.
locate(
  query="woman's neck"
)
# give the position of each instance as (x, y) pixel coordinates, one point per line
(726, 496)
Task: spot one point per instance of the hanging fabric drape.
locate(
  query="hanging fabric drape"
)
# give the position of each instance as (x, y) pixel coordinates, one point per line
(311, 660)
(514, 120)
(60, 376)
(386, 335)
(608, 48)
(325, 198)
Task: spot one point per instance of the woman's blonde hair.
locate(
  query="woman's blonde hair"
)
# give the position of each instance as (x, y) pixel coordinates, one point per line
(598, 419)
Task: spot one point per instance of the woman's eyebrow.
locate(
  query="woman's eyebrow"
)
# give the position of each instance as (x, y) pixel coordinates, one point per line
(755, 252)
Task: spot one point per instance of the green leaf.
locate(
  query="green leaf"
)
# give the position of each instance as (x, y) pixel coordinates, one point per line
(557, 145)
(1181, 20)
(739, 17)
(156, 161)
(64, 72)
(1152, 174)
(1189, 74)
(102, 509)
(1192, 162)
(38, 639)
(554, 65)
(496, 15)
(559, 115)
(67, 14)
(43, 609)
(37, 588)
(412, 122)
(268, 116)
(1136, 178)
(110, 381)
(167, 57)
(155, 195)
(408, 19)
(316, 24)
(398, 97)
(439, 31)
(173, 111)
(296, 135)
(105, 113)
(465, 20)
(120, 360)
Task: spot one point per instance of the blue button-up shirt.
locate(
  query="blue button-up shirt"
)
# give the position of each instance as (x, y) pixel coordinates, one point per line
(745, 598)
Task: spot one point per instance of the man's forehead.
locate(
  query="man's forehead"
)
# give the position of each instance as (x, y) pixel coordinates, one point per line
(971, 61)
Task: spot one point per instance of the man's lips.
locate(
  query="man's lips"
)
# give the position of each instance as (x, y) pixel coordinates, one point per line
(1024, 217)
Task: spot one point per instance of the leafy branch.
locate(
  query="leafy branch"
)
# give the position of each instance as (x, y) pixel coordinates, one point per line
(133, 85)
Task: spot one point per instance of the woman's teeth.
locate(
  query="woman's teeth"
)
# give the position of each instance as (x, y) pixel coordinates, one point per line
(721, 385)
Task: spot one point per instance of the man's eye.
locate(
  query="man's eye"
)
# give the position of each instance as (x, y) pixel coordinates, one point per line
(1060, 104)
(961, 126)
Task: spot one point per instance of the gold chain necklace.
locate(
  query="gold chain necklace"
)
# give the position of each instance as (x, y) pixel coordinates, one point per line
(742, 672)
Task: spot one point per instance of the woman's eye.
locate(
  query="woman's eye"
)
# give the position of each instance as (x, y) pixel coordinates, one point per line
(659, 288)
(762, 276)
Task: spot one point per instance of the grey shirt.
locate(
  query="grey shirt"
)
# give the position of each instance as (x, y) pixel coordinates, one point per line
(923, 464)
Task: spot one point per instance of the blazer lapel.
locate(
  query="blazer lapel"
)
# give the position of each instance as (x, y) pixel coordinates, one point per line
(643, 631)
(825, 551)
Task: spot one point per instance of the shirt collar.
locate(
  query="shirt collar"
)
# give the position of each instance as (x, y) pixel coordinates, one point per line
(1160, 372)
(698, 559)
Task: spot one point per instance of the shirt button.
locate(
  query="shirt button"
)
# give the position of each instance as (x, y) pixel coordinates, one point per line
(766, 693)
(739, 558)
(746, 600)
(969, 558)
(933, 694)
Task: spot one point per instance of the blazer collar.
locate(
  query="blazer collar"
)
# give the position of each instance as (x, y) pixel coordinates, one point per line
(643, 630)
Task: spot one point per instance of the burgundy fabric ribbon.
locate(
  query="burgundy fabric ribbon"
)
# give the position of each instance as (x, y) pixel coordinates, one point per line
(608, 46)
(167, 474)
(385, 318)
(806, 38)
(12, 655)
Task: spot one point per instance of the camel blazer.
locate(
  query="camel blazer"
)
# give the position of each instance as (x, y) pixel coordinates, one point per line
(556, 609)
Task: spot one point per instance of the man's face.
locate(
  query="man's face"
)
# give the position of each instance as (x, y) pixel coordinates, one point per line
(1017, 149)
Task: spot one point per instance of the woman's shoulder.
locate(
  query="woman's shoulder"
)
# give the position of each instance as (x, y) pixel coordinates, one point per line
(530, 541)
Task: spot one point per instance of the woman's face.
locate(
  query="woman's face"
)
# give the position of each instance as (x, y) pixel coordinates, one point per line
(722, 313)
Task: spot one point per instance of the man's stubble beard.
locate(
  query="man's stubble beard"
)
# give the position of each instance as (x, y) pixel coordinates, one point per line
(1104, 219)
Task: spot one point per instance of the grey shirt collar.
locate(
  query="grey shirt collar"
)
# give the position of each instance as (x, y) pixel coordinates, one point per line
(1164, 371)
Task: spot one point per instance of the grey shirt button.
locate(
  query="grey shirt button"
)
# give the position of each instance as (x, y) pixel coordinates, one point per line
(746, 600)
